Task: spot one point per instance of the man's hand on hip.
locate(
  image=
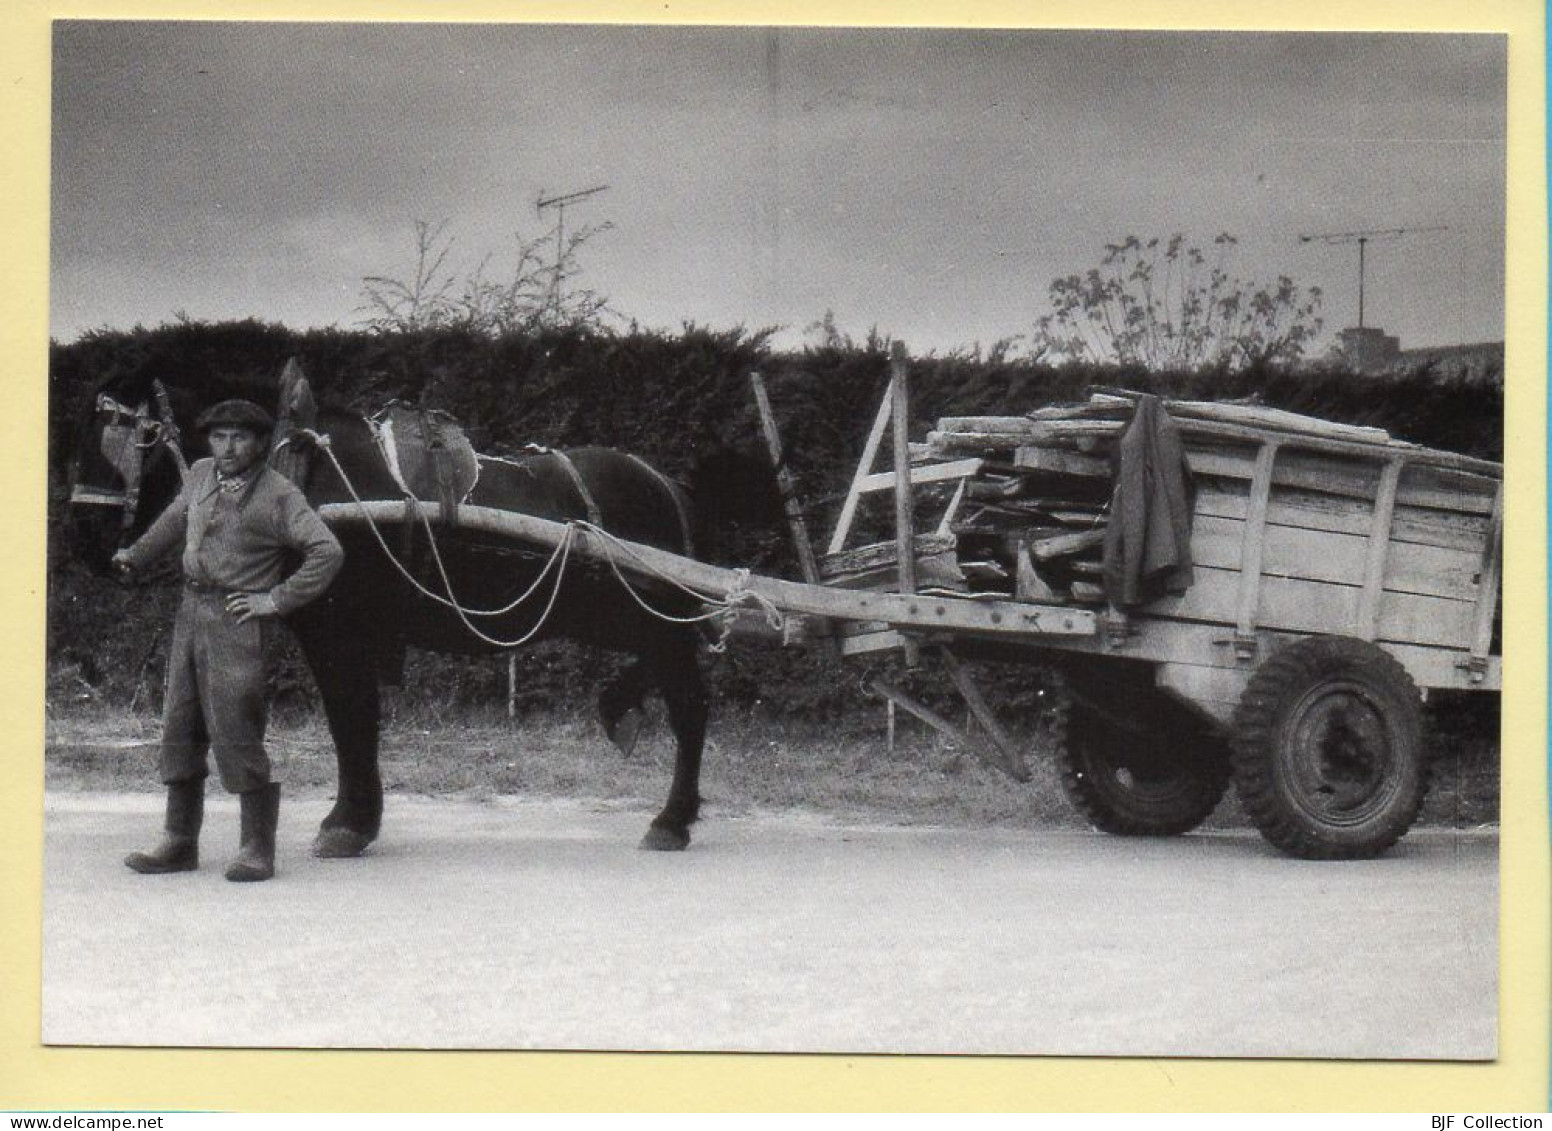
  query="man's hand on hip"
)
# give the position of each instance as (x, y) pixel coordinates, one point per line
(248, 606)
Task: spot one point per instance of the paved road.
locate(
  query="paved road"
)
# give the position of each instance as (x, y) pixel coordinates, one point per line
(521, 924)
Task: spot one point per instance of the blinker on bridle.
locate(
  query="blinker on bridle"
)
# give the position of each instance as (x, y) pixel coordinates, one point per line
(146, 432)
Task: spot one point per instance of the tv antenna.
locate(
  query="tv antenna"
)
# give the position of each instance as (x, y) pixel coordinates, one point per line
(559, 204)
(1362, 240)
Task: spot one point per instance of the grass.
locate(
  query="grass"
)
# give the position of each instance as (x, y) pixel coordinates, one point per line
(754, 762)
(751, 764)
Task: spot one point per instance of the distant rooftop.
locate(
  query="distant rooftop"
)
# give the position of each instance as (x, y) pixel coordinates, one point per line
(1371, 350)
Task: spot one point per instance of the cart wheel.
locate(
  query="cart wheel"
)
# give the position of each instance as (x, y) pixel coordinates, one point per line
(1329, 750)
(1163, 778)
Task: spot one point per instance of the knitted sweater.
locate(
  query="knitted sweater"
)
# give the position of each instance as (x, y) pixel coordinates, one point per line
(240, 542)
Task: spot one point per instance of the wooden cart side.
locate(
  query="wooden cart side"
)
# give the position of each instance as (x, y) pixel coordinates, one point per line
(1382, 543)
(1338, 531)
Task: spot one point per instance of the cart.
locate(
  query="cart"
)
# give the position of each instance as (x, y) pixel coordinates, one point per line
(1337, 580)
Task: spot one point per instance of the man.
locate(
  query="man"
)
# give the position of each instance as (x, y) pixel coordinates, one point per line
(237, 521)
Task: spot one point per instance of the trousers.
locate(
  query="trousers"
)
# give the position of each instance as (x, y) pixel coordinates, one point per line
(216, 703)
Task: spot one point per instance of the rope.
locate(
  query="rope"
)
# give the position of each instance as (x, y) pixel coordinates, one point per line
(561, 555)
(563, 552)
(722, 608)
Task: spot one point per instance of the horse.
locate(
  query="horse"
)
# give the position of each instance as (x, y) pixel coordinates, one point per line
(393, 590)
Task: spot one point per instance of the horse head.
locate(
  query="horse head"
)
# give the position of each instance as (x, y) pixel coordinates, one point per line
(126, 467)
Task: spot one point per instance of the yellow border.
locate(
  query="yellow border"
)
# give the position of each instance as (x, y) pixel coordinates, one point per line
(33, 1077)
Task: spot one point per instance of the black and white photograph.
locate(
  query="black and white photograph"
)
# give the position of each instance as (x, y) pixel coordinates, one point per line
(775, 539)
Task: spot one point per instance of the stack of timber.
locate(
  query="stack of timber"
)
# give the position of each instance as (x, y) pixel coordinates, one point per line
(1033, 521)
(876, 566)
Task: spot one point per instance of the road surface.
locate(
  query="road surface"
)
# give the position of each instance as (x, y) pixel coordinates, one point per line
(537, 924)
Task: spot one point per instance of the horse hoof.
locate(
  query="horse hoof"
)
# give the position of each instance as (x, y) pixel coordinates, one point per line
(626, 731)
(339, 844)
(664, 840)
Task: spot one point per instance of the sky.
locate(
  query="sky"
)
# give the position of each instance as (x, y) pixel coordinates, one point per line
(927, 183)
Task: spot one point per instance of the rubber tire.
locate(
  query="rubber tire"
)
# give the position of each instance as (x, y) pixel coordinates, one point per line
(1163, 779)
(1329, 751)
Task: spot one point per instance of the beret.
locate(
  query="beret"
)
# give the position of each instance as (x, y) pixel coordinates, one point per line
(236, 414)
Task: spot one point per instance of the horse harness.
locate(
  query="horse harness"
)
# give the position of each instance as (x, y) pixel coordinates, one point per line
(128, 442)
(595, 515)
(673, 493)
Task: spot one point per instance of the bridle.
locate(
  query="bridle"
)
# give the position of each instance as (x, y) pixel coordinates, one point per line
(130, 438)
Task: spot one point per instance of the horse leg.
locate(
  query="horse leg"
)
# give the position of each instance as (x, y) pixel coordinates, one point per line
(342, 663)
(620, 707)
(678, 675)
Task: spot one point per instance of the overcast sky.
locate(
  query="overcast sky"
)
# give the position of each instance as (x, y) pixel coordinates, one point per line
(928, 183)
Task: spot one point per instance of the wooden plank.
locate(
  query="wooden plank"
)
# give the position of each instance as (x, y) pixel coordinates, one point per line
(984, 571)
(1430, 458)
(1252, 541)
(944, 613)
(1446, 670)
(1031, 512)
(867, 643)
(1421, 480)
(1376, 552)
(1230, 420)
(944, 445)
(784, 483)
(1087, 410)
(793, 509)
(1012, 425)
(1312, 510)
(1028, 585)
(1338, 558)
(1012, 755)
(1032, 458)
(1351, 480)
(1292, 605)
(905, 510)
(1065, 544)
(1487, 600)
(1091, 517)
(1255, 416)
(936, 573)
(946, 523)
(922, 473)
(995, 487)
(998, 431)
(936, 721)
(864, 466)
(986, 748)
(933, 571)
(883, 553)
(1032, 431)
(860, 628)
(1159, 640)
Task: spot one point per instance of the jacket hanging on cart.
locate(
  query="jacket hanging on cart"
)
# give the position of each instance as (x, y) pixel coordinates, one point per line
(1148, 538)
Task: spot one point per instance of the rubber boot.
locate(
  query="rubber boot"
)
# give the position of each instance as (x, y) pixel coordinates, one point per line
(179, 849)
(260, 817)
